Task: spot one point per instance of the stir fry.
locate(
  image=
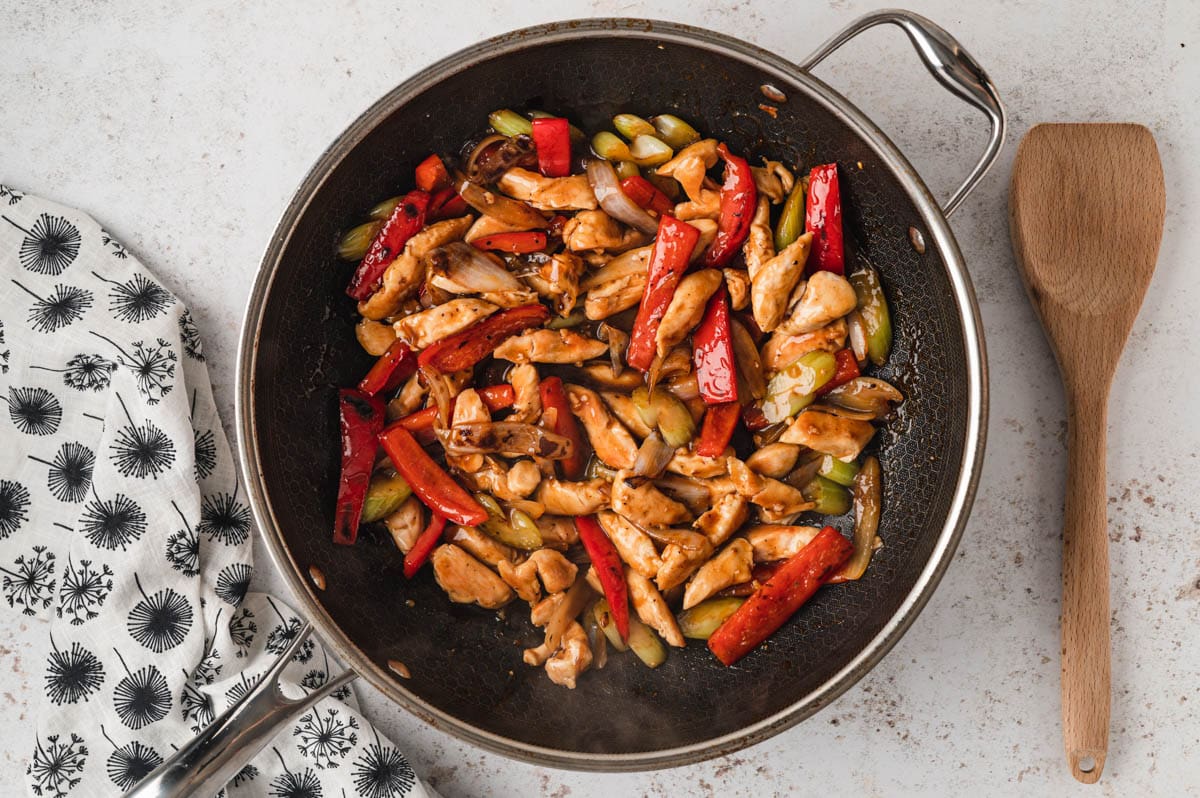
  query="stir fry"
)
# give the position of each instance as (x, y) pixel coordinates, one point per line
(619, 380)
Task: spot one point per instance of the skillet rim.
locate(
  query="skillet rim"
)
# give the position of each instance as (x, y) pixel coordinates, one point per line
(968, 317)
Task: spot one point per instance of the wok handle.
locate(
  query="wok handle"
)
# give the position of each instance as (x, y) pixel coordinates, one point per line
(953, 67)
(206, 764)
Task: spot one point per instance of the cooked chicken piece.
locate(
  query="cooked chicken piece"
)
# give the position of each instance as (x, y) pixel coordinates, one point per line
(844, 438)
(481, 546)
(773, 181)
(491, 477)
(779, 502)
(510, 299)
(690, 464)
(611, 441)
(635, 261)
(406, 524)
(771, 286)
(489, 225)
(708, 233)
(528, 405)
(774, 460)
(441, 321)
(779, 541)
(708, 206)
(466, 580)
(558, 532)
(782, 348)
(541, 613)
(557, 279)
(743, 480)
(637, 499)
(523, 478)
(550, 346)
(572, 193)
(679, 563)
(828, 296)
(374, 337)
(652, 609)
(730, 567)
(690, 165)
(593, 579)
(409, 400)
(574, 498)
(725, 517)
(602, 374)
(468, 409)
(405, 273)
(686, 308)
(737, 282)
(555, 572)
(572, 659)
(760, 244)
(596, 230)
(635, 546)
(614, 296)
(621, 406)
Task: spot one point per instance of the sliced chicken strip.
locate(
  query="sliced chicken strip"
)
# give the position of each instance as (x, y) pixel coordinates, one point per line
(690, 464)
(774, 460)
(708, 206)
(405, 273)
(652, 608)
(826, 297)
(550, 346)
(468, 409)
(510, 299)
(557, 279)
(409, 400)
(406, 524)
(611, 441)
(637, 499)
(725, 517)
(523, 478)
(572, 193)
(544, 568)
(614, 296)
(690, 166)
(374, 337)
(441, 321)
(686, 308)
(782, 348)
(771, 287)
(524, 379)
(844, 438)
(635, 546)
(466, 580)
(574, 498)
(679, 563)
(731, 567)
(596, 230)
(621, 406)
(773, 181)
(489, 225)
(558, 531)
(760, 244)
(779, 541)
(481, 546)
(737, 282)
(572, 659)
(779, 501)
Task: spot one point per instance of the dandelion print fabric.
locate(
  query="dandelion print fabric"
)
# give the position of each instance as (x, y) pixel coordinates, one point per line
(122, 525)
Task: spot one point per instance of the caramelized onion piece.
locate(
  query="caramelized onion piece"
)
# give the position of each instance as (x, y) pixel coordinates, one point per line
(614, 201)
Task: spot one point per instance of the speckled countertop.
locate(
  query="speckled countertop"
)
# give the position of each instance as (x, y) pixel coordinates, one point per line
(185, 127)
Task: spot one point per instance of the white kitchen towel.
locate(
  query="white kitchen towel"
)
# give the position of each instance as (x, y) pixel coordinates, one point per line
(122, 524)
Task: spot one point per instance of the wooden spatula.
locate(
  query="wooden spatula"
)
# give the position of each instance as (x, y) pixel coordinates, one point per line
(1086, 209)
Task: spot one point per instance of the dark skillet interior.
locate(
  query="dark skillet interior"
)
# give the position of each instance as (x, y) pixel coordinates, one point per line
(467, 661)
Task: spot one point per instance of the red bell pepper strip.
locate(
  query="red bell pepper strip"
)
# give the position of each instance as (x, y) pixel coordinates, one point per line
(420, 423)
(552, 138)
(464, 349)
(738, 198)
(360, 418)
(712, 352)
(847, 369)
(446, 204)
(772, 604)
(609, 569)
(668, 260)
(719, 423)
(406, 220)
(823, 218)
(393, 367)
(516, 243)
(554, 397)
(431, 174)
(433, 486)
(424, 545)
(646, 194)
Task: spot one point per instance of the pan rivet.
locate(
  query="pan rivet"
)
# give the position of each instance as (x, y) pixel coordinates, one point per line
(917, 240)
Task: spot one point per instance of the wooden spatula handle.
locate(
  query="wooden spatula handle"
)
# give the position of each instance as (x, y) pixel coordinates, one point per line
(1085, 619)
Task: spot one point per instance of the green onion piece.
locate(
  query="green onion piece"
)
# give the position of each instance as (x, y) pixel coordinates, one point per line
(793, 388)
(649, 649)
(385, 494)
(626, 169)
(603, 615)
(384, 209)
(354, 244)
(509, 123)
(674, 131)
(631, 126)
(609, 147)
(830, 497)
(701, 621)
(873, 308)
(577, 135)
(791, 219)
(838, 471)
(650, 151)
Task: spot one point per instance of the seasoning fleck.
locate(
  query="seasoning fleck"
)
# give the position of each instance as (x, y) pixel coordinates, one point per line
(317, 576)
(399, 668)
(771, 110)
(773, 94)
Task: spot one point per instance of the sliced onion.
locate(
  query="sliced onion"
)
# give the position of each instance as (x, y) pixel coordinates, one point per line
(843, 412)
(440, 393)
(496, 154)
(510, 211)
(653, 456)
(805, 471)
(578, 596)
(749, 364)
(691, 492)
(858, 336)
(868, 494)
(507, 438)
(613, 200)
(866, 394)
(463, 269)
(617, 341)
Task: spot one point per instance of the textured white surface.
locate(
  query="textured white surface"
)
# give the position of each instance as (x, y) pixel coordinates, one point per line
(184, 128)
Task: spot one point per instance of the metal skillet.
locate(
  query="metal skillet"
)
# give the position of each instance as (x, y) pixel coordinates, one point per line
(298, 346)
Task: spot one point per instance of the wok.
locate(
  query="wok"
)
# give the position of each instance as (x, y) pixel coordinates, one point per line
(298, 346)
